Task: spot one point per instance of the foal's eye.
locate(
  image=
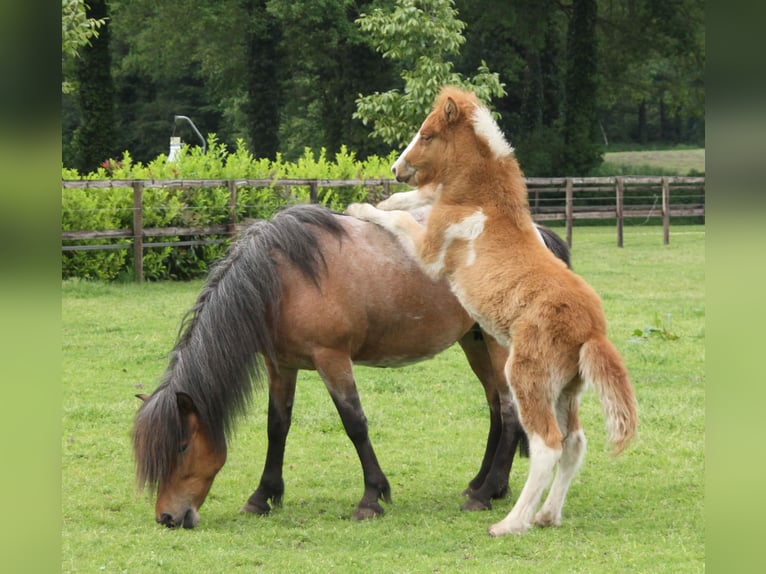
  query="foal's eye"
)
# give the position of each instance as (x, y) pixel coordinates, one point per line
(426, 137)
(183, 448)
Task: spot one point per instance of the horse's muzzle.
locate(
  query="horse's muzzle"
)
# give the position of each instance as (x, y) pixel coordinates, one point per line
(189, 519)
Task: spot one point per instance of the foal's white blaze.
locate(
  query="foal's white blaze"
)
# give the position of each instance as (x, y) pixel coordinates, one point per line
(468, 230)
(485, 126)
(400, 162)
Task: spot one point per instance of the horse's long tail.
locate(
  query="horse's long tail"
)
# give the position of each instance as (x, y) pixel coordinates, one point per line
(602, 366)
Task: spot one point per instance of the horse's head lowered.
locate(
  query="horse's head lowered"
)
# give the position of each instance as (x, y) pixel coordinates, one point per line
(175, 454)
(459, 125)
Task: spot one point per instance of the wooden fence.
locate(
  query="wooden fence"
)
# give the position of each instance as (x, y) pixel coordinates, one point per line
(550, 199)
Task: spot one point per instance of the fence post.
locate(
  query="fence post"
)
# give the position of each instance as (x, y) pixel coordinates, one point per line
(232, 207)
(138, 231)
(568, 209)
(620, 190)
(314, 186)
(665, 211)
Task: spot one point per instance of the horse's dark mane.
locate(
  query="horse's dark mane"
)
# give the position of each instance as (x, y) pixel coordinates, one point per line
(215, 359)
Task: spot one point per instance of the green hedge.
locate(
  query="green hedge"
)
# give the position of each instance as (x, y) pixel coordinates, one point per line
(101, 209)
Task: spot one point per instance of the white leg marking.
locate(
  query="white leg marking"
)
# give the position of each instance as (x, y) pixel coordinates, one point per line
(542, 461)
(569, 464)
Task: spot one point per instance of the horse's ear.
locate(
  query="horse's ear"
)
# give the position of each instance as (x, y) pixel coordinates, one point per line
(185, 403)
(451, 111)
(143, 397)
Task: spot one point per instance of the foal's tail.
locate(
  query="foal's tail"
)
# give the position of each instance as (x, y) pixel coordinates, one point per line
(602, 366)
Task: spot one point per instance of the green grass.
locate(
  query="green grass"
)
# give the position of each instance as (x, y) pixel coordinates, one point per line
(640, 512)
(654, 162)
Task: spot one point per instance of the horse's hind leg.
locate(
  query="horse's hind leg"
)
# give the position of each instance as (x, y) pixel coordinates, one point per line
(571, 458)
(335, 369)
(281, 397)
(487, 359)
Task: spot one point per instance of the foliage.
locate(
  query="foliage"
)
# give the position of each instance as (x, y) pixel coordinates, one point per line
(95, 137)
(582, 149)
(103, 209)
(84, 209)
(285, 75)
(421, 35)
(77, 31)
(657, 330)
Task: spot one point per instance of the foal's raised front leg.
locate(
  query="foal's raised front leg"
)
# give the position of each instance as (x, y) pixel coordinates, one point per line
(409, 200)
(401, 223)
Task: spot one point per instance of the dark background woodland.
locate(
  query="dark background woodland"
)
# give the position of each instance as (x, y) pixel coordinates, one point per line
(284, 75)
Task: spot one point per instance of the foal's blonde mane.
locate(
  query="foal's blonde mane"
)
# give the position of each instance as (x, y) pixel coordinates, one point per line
(486, 158)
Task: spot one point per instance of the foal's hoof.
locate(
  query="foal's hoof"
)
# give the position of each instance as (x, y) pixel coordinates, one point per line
(473, 504)
(368, 511)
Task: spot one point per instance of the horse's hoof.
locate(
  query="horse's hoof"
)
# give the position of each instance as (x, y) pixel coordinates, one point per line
(367, 512)
(504, 493)
(472, 504)
(250, 508)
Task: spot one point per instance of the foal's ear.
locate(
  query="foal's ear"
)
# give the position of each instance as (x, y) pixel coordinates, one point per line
(451, 111)
(185, 404)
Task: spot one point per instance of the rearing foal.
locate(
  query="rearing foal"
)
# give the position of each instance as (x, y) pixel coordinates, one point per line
(481, 236)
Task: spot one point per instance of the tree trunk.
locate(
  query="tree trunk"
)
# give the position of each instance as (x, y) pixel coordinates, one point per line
(95, 138)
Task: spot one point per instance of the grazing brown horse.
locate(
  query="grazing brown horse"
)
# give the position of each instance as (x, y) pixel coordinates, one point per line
(481, 238)
(307, 290)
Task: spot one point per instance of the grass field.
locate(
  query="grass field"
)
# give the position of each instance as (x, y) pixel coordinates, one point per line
(640, 512)
(667, 162)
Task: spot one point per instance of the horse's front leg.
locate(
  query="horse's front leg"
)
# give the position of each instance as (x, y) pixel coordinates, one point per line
(335, 369)
(281, 396)
(401, 223)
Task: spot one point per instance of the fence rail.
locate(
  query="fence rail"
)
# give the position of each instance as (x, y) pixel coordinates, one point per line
(550, 199)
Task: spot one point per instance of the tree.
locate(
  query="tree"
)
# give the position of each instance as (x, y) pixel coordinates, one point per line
(420, 35)
(652, 56)
(262, 101)
(95, 137)
(582, 150)
(77, 31)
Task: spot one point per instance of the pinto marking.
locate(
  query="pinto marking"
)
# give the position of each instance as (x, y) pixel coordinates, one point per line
(467, 230)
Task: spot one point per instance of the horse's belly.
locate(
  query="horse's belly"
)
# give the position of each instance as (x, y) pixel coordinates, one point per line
(401, 339)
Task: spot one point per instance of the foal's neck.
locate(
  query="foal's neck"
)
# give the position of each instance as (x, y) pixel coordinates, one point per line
(497, 187)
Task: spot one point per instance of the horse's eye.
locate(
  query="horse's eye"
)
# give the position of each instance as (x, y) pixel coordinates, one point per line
(183, 448)
(426, 137)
